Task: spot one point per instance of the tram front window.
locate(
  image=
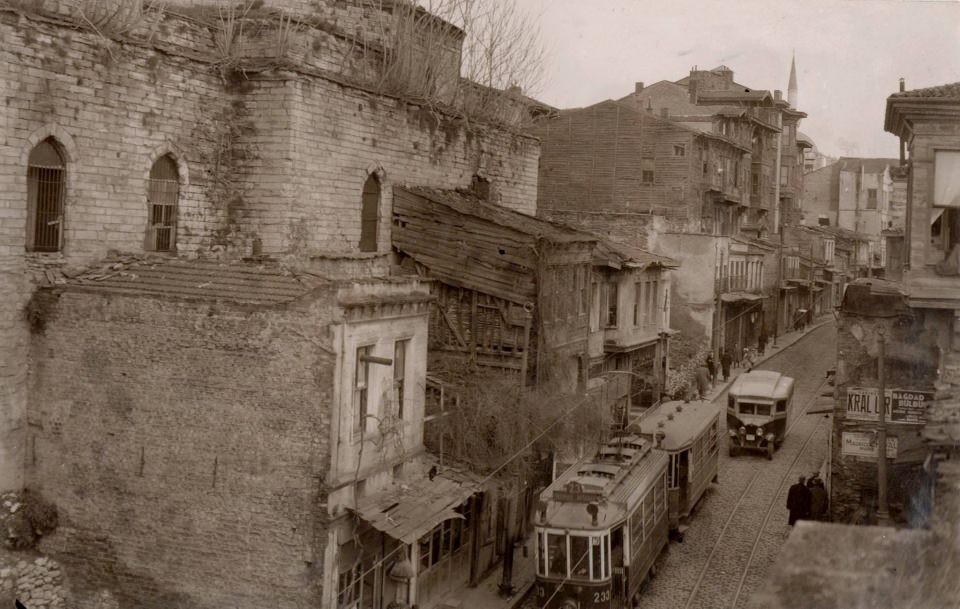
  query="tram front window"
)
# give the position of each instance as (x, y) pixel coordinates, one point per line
(580, 556)
(557, 555)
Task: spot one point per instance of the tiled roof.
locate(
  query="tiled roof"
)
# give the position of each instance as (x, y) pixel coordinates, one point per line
(246, 282)
(626, 255)
(951, 90)
(467, 203)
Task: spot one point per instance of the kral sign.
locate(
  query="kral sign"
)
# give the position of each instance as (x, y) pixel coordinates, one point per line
(864, 444)
(903, 405)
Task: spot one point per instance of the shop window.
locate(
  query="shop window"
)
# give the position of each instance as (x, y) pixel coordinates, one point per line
(46, 186)
(162, 198)
(348, 587)
(370, 214)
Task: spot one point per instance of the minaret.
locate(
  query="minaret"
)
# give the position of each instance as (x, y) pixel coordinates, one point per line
(792, 86)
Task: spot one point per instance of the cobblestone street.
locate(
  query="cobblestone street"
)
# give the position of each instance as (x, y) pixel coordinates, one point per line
(740, 525)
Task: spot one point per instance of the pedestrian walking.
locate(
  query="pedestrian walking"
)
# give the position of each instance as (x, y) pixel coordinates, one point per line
(712, 368)
(798, 501)
(725, 361)
(762, 342)
(818, 500)
(703, 382)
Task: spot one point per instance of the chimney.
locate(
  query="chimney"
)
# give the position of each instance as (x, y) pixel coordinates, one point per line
(903, 85)
(778, 94)
(665, 112)
(638, 87)
(693, 89)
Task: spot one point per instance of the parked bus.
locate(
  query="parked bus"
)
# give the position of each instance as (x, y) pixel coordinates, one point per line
(600, 526)
(688, 432)
(759, 404)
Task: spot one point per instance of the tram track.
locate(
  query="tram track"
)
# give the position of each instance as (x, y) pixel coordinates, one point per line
(719, 543)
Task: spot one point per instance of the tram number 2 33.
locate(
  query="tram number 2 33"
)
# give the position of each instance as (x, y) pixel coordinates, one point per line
(602, 596)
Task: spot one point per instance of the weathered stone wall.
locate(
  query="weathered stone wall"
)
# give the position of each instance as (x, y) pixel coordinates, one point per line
(112, 115)
(282, 157)
(317, 141)
(911, 356)
(185, 445)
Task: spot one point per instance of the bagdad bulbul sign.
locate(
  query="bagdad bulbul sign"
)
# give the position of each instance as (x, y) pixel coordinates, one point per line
(903, 405)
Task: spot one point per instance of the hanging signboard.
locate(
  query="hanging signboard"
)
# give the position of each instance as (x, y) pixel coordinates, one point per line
(903, 405)
(864, 444)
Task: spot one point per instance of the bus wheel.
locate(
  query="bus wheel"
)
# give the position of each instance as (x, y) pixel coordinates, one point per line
(770, 449)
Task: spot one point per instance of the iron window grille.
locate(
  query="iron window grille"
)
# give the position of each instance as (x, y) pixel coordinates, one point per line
(162, 198)
(46, 174)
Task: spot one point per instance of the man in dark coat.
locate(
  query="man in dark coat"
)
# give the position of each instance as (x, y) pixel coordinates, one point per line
(762, 342)
(702, 376)
(818, 500)
(725, 361)
(798, 501)
(712, 368)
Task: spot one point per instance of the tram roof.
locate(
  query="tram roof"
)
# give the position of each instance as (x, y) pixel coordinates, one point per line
(636, 473)
(681, 422)
(762, 384)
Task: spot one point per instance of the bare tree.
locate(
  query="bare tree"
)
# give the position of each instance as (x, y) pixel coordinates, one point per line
(476, 55)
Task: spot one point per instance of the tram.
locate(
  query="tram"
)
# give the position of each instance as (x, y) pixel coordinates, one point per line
(759, 405)
(688, 432)
(600, 526)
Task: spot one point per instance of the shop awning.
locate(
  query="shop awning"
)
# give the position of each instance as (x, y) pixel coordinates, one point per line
(408, 511)
(740, 297)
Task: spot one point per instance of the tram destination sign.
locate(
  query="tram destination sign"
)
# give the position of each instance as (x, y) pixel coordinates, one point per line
(902, 405)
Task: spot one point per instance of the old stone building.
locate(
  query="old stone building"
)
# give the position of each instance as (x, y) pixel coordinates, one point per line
(207, 351)
(691, 169)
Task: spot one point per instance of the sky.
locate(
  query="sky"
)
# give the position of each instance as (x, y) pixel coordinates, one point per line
(850, 54)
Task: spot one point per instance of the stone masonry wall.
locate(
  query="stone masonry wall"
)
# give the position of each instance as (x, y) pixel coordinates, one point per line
(185, 446)
(113, 115)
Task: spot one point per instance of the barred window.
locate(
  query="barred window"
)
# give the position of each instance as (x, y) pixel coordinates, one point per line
(162, 199)
(370, 214)
(46, 185)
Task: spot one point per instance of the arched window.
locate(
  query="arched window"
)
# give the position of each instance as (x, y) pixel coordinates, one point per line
(46, 181)
(370, 214)
(162, 198)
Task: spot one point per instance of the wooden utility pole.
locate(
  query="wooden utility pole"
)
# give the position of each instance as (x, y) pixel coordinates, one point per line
(883, 513)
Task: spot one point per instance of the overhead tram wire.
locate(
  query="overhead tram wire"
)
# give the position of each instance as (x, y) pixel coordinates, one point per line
(486, 478)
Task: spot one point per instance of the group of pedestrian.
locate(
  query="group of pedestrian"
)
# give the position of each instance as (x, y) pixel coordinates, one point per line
(706, 374)
(807, 499)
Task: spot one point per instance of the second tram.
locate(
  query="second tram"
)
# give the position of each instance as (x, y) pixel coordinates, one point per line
(688, 432)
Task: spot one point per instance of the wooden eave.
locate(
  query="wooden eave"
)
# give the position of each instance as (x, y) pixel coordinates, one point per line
(903, 112)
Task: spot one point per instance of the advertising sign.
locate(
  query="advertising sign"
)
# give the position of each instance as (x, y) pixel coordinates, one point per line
(864, 444)
(903, 405)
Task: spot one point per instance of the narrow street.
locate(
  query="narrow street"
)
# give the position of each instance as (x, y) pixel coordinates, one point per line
(741, 524)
